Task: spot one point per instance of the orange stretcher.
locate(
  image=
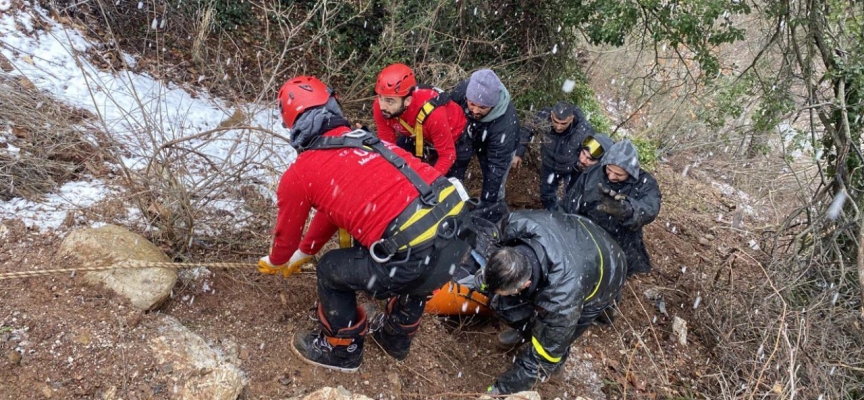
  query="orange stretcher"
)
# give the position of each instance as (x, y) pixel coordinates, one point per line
(456, 299)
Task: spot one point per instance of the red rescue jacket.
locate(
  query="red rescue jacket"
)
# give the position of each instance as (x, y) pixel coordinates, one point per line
(349, 188)
(442, 127)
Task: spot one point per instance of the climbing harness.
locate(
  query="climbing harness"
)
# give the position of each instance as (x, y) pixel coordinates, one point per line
(417, 131)
(433, 214)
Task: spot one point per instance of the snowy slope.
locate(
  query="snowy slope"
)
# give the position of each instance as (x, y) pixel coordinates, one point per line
(136, 110)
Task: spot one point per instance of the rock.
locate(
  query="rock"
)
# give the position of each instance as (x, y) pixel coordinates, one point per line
(396, 381)
(200, 372)
(526, 395)
(146, 288)
(709, 236)
(339, 393)
(705, 242)
(679, 327)
(14, 357)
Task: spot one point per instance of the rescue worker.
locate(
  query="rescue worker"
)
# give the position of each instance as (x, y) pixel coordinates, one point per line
(562, 129)
(493, 130)
(403, 213)
(551, 279)
(621, 197)
(420, 119)
(593, 148)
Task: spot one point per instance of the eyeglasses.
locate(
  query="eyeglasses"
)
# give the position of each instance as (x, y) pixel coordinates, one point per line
(595, 149)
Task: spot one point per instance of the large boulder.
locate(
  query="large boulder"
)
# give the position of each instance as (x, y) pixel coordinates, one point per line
(146, 288)
(198, 371)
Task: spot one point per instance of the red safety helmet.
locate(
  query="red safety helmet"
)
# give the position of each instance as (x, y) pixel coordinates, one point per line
(300, 94)
(395, 80)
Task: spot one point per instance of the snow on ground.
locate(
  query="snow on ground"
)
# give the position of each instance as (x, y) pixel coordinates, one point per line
(138, 111)
(50, 212)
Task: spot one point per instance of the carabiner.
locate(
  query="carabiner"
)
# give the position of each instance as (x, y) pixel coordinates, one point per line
(375, 257)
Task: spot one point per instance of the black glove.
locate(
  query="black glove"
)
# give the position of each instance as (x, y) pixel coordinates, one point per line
(614, 203)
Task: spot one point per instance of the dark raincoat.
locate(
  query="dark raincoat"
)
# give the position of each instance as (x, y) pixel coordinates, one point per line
(559, 151)
(578, 272)
(643, 202)
(494, 139)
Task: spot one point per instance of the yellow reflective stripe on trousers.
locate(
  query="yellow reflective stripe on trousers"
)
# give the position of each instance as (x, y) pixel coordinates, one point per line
(600, 279)
(542, 352)
(432, 231)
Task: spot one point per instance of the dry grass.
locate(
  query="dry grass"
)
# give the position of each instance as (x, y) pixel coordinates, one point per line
(55, 143)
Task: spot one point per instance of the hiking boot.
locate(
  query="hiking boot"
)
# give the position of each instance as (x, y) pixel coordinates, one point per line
(607, 316)
(510, 338)
(316, 348)
(393, 338)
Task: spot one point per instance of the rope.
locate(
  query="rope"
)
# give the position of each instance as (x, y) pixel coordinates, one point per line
(127, 264)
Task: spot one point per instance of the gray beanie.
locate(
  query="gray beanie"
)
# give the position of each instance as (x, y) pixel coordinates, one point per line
(484, 88)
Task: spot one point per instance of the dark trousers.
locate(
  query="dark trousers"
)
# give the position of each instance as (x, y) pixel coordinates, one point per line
(343, 272)
(519, 314)
(550, 181)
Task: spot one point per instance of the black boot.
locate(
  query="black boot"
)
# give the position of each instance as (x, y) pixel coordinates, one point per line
(393, 338)
(510, 338)
(342, 351)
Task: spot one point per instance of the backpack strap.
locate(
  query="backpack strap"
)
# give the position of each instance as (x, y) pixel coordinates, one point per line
(360, 139)
(439, 100)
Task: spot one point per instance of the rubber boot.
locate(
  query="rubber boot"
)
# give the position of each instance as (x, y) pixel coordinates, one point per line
(510, 338)
(394, 338)
(607, 316)
(341, 350)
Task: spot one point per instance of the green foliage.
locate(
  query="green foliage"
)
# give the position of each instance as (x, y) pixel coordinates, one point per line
(351, 31)
(647, 149)
(727, 102)
(694, 27)
(230, 14)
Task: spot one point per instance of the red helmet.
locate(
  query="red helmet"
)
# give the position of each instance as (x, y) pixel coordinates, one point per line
(395, 80)
(300, 94)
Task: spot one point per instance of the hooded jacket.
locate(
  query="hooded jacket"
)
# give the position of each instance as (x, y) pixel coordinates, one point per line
(495, 137)
(581, 272)
(559, 151)
(643, 198)
(605, 142)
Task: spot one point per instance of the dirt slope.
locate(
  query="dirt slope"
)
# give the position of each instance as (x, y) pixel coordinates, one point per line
(61, 339)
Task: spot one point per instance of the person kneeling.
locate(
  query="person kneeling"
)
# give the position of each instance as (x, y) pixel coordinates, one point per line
(552, 277)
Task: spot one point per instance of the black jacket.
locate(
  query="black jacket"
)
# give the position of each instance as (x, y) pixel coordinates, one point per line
(643, 198)
(581, 272)
(494, 137)
(559, 151)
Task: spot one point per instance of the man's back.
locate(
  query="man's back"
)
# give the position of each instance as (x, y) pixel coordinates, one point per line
(355, 189)
(580, 261)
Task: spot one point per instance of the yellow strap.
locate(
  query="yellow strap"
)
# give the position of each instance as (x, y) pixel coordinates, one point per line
(417, 131)
(417, 134)
(599, 280)
(344, 239)
(541, 351)
(432, 231)
(418, 141)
